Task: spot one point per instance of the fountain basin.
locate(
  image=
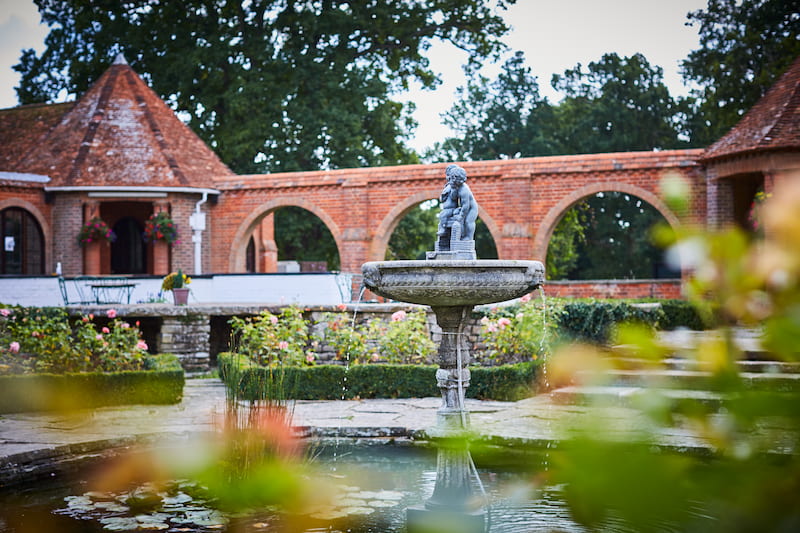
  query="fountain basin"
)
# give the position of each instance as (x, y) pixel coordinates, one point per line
(453, 283)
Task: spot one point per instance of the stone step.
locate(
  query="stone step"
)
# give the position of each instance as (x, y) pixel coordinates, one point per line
(627, 396)
(694, 379)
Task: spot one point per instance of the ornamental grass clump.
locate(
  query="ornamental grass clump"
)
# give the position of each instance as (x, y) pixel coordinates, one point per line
(36, 340)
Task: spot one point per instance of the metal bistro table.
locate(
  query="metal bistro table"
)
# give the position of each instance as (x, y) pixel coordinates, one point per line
(111, 289)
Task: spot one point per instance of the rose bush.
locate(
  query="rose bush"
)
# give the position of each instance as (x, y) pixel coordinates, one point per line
(43, 340)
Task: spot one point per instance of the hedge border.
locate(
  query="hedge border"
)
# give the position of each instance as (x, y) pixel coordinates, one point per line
(161, 383)
(247, 381)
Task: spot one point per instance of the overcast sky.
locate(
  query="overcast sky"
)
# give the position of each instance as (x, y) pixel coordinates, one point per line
(555, 36)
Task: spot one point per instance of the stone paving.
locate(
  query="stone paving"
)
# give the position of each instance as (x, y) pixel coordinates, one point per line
(31, 441)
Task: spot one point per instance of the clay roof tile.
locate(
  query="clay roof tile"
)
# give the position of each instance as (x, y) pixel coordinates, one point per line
(773, 123)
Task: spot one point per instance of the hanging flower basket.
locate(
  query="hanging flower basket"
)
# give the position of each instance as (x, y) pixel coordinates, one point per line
(95, 230)
(160, 227)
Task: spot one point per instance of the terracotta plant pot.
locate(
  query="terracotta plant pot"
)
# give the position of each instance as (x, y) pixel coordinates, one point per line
(180, 296)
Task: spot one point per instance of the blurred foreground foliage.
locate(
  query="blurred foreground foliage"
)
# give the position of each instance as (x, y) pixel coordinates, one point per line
(744, 475)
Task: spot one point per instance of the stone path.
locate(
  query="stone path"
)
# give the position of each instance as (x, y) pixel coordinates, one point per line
(32, 442)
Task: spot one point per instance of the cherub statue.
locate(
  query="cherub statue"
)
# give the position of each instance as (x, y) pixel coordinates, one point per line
(458, 205)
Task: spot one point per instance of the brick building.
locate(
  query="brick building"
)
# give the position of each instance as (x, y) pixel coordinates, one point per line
(120, 154)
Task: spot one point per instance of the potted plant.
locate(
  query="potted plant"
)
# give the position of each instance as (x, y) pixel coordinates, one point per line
(176, 282)
(95, 230)
(160, 227)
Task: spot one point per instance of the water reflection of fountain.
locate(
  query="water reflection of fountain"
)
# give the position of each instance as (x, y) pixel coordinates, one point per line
(452, 281)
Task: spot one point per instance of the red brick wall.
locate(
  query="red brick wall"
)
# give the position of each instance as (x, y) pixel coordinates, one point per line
(667, 289)
(521, 200)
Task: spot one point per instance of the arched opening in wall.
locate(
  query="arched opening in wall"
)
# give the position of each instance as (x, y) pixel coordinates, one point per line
(747, 191)
(415, 234)
(607, 236)
(23, 243)
(128, 252)
(304, 242)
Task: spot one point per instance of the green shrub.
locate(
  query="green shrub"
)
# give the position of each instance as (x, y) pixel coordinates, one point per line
(593, 321)
(64, 392)
(683, 314)
(327, 382)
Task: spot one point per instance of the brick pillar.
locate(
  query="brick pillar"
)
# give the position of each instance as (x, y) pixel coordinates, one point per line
(267, 249)
(92, 252)
(187, 336)
(160, 248)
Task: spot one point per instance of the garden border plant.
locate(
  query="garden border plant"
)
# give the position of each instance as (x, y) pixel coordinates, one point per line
(51, 362)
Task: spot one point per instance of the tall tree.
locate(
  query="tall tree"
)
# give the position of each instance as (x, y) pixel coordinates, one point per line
(617, 104)
(497, 119)
(744, 46)
(269, 84)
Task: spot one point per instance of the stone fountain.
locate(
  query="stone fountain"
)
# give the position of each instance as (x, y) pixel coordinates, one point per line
(452, 281)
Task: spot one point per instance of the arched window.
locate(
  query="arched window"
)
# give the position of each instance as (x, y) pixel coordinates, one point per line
(23, 243)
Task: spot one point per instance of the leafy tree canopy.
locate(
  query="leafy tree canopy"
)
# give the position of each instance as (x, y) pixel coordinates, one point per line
(269, 84)
(497, 119)
(744, 46)
(617, 104)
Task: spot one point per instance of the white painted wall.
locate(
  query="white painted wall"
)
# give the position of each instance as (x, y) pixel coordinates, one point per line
(301, 289)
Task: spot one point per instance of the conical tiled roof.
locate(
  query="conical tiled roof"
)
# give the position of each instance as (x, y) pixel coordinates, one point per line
(120, 133)
(772, 124)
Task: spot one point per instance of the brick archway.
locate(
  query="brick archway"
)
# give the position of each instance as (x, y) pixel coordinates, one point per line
(236, 259)
(521, 200)
(557, 212)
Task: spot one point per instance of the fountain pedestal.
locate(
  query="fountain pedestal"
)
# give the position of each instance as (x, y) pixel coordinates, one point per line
(452, 288)
(453, 506)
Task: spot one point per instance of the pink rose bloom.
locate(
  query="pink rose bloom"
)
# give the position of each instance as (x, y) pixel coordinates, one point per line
(5, 312)
(398, 316)
(375, 357)
(491, 327)
(141, 345)
(309, 358)
(106, 330)
(485, 320)
(526, 298)
(519, 316)
(13, 347)
(503, 322)
(98, 337)
(341, 307)
(112, 313)
(273, 319)
(283, 345)
(124, 325)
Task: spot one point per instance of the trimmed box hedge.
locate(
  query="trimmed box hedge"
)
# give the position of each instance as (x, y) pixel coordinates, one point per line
(160, 383)
(327, 382)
